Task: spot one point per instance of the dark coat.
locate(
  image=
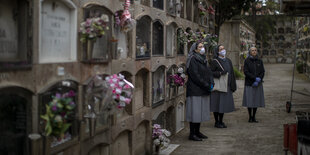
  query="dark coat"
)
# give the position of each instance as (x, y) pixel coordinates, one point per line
(216, 70)
(253, 67)
(199, 77)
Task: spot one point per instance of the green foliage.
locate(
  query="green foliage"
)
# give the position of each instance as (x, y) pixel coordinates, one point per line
(299, 67)
(230, 8)
(58, 113)
(238, 74)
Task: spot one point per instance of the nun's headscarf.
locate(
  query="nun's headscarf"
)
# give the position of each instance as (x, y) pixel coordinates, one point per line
(216, 51)
(190, 54)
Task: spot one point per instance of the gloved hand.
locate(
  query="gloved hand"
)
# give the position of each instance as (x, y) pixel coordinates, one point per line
(223, 72)
(258, 79)
(211, 87)
(255, 84)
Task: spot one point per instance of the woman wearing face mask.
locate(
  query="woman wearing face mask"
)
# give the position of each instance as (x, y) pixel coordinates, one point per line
(253, 96)
(222, 102)
(199, 86)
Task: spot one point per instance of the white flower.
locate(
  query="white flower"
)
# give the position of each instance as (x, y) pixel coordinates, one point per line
(183, 76)
(58, 118)
(105, 18)
(118, 91)
(156, 142)
(166, 133)
(121, 83)
(180, 70)
(161, 138)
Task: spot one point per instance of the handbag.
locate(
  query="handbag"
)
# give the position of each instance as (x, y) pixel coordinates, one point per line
(220, 84)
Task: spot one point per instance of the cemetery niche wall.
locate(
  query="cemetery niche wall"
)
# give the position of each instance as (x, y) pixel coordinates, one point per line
(50, 60)
(15, 41)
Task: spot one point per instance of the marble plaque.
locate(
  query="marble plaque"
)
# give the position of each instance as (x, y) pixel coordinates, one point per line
(180, 117)
(55, 32)
(8, 31)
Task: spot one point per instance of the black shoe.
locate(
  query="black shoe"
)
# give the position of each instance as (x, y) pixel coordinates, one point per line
(250, 120)
(222, 124)
(194, 138)
(217, 125)
(202, 136)
(254, 120)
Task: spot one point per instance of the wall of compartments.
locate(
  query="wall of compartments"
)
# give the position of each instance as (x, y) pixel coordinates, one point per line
(41, 55)
(303, 45)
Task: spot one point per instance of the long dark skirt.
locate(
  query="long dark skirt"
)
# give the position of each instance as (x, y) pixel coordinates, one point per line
(253, 97)
(222, 102)
(197, 109)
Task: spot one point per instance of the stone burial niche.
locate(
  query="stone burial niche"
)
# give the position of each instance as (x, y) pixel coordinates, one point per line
(158, 39)
(158, 86)
(171, 40)
(55, 101)
(15, 117)
(58, 30)
(15, 39)
(143, 37)
(100, 49)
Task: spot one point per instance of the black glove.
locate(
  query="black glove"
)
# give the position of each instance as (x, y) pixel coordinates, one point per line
(223, 72)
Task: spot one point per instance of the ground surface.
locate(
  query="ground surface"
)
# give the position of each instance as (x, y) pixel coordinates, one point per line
(241, 137)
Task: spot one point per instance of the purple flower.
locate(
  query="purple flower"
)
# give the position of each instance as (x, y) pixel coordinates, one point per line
(54, 108)
(58, 95)
(71, 93)
(72, 103)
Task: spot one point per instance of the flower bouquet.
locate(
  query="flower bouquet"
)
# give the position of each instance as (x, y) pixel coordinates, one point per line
(121, 89)
(94, 28)
(177, 79)
(159, 136)
(58, 116)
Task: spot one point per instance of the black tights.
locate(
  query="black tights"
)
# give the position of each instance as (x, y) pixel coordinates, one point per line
(194, 128)
(218, 117)
(250, 112)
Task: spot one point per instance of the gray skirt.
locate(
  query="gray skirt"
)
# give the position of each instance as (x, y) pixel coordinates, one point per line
(197, 109)
(253, 97)
(222, 102)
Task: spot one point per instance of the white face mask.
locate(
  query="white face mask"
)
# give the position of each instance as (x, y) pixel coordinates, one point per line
(222, 53)
(202, 51)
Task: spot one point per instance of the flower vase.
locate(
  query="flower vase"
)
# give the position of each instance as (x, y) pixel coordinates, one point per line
(157, 149)
(90, 47)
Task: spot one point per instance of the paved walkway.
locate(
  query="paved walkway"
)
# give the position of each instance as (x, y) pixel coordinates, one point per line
(243, 138)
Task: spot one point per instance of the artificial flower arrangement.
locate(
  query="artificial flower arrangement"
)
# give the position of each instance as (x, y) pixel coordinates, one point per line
(159, 136)
(243, 45)
(94, 28)
(177, 79)
(123, 18)
(204, 12)
(121, 89)
(208, 40)
(58, 116)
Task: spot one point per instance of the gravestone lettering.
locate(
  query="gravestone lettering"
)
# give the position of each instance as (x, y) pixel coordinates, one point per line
(55, 35)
